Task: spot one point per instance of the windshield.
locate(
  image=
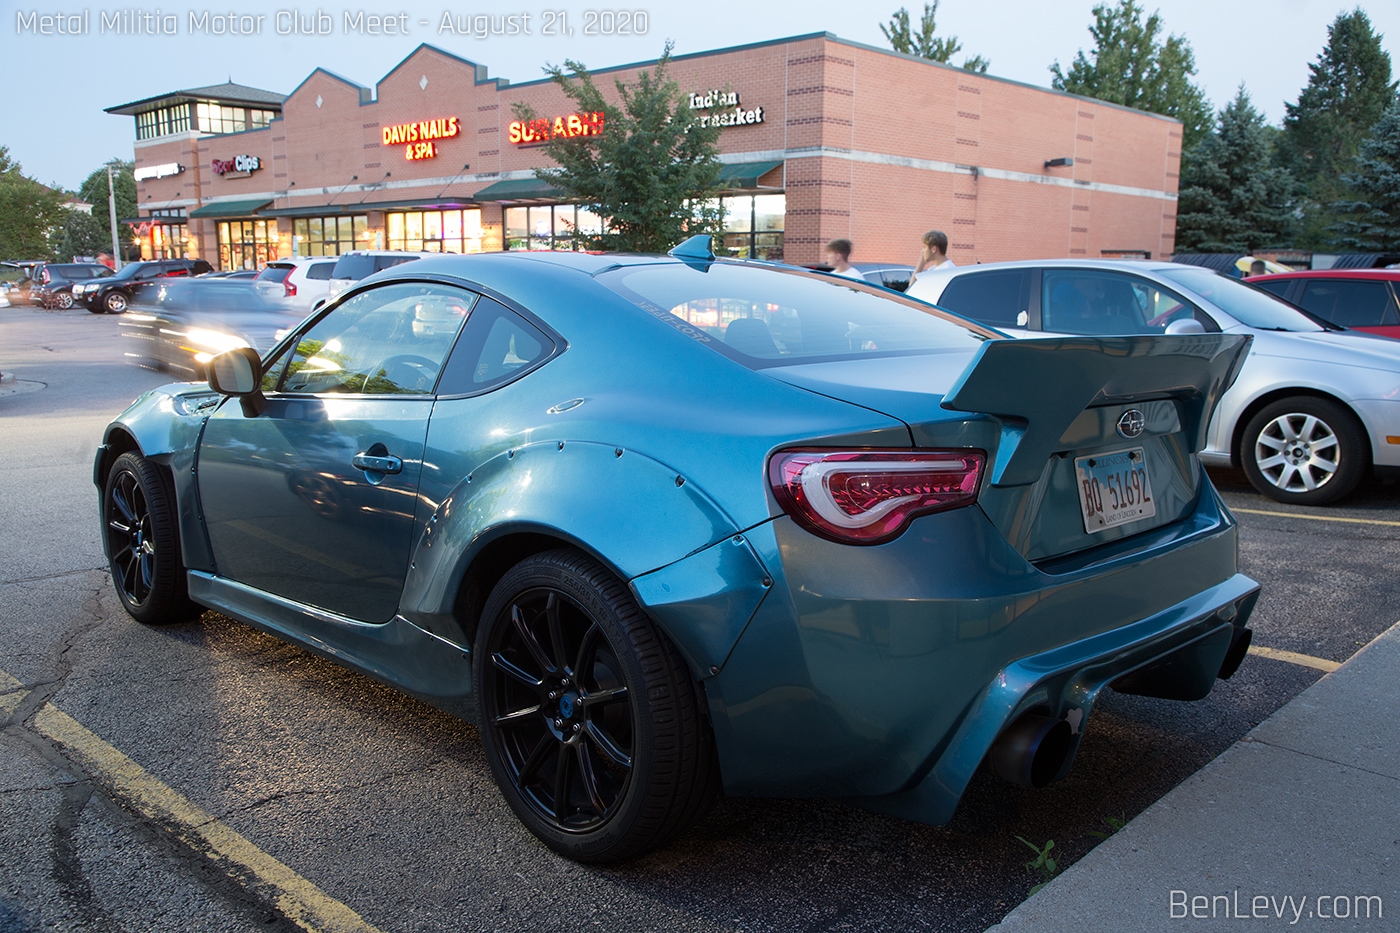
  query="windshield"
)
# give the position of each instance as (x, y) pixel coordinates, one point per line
(1251, 306)
(766, 317)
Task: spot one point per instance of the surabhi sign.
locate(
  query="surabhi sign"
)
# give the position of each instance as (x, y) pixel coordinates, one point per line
(543, 129)
(418, 139)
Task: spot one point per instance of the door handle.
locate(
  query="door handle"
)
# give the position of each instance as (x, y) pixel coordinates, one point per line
(372, 464)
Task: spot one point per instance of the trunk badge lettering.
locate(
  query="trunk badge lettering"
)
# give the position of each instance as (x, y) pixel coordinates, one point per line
(1131, 423)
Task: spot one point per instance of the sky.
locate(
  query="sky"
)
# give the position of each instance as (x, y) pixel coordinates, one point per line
(71, 78)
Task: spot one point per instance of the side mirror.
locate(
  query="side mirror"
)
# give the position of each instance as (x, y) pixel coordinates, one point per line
(238, 373)
(1187, 325)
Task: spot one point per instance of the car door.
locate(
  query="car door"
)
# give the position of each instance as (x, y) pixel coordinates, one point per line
(1362, 304)
(313, 499)
(1101, 302)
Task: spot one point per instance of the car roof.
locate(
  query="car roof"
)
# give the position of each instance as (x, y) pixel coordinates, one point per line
(1392, 275)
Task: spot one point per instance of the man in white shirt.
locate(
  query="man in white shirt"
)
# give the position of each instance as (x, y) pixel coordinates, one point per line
(838, 256)
(934, 255)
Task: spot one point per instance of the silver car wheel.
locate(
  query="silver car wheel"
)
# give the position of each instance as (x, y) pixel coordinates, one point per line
(1297, 452)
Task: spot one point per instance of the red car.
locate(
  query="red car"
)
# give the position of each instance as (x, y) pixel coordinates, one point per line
(1362, 299)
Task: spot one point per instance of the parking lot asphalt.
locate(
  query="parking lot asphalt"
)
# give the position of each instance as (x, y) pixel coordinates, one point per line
(371, 802)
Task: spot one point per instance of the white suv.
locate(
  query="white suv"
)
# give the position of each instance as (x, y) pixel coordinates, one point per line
(358, 263)
(299, 283)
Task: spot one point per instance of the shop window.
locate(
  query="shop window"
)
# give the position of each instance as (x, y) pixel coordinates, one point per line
(165, 241)
(247, 244)
(163, 121)
(217, 118)
(455, 231)
(329, 236)
(753, 225)
(549, 226)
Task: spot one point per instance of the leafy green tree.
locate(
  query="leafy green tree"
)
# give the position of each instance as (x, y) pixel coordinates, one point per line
(29, 213)
(1132, 65)
(1234, 199)
(1369, 218)
(648, 166)
(1348, 90)
(82, 235)
(925, 44)
(94, 191)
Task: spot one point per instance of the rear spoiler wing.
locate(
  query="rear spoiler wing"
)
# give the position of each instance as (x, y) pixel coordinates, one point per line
(1039, 386)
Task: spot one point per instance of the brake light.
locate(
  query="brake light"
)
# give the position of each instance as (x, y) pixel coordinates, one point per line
(291, 289)
(870, 496)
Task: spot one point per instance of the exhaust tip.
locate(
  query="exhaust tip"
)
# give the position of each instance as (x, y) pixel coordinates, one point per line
(1032, 750)
(1234, 656)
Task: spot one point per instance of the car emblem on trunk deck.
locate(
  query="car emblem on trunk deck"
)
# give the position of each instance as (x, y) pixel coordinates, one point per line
(1131, 423)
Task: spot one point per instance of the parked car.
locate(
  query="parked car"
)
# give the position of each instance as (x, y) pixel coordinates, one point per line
(179, 324)
(299, 283)
(667, 524)
(18, 274)
(889, 274)
(1314, 410)
(53, 282)
(352, 266)
(113, 294)
(1362, 299)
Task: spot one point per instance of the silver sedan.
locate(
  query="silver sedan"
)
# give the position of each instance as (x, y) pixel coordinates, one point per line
(1315, 409)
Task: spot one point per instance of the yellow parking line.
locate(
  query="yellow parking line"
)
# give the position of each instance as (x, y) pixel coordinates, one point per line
(298, 899)
(1304, 660)
(1317, 518)
(12, 694)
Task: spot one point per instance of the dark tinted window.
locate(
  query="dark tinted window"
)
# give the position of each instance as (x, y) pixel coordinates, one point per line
(385, 262)
(1095, 302)
(897, 279)
(353, 267)
(274, 274)
(1350, 304)
(1277, 287)
(1000, 299)
(496, 346)
(320, 271)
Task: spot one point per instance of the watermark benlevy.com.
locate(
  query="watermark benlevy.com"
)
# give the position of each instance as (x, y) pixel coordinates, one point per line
(1289, 907)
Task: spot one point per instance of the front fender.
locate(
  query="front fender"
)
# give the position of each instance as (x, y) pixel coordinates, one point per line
(632, 512)
(164, 425)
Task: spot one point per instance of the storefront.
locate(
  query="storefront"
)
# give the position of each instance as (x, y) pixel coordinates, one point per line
(431, 158)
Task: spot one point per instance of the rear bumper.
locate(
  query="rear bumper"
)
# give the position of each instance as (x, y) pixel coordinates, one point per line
(882, 675)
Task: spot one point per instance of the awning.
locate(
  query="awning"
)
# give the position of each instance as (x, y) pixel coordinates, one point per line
(745, 174)
(360, 207)
(518, 189)
(230, 208)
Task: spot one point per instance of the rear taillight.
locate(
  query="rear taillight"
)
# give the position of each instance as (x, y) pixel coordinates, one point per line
(291, 289)
(869, 496)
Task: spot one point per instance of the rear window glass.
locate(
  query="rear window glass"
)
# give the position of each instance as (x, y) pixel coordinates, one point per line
(766, 317)
(274, 274)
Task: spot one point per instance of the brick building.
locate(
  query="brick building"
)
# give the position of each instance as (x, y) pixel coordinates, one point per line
(823, 138)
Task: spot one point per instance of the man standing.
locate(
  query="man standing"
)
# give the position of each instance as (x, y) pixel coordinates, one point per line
(934, 255)
(838, 256)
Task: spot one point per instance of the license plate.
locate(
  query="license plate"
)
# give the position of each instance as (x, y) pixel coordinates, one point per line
(1114, 489)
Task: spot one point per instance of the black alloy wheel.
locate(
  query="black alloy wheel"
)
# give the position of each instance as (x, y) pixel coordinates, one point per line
(589, 717)
(142, 542)
(1305, 450)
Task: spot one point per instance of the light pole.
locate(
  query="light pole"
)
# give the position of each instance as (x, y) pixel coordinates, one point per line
(112, 216)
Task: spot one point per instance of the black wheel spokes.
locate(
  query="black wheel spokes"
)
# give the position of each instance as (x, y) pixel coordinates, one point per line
(566, 733)
(130, 540)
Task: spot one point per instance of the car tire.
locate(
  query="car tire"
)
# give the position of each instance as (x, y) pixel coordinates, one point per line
(114, 302)
(64, 300)
(142, 542)
(1305, 451)
(608, 711)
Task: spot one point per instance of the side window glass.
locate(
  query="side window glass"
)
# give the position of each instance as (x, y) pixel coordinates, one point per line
(320, 271)
(390, 340)
(897, 279)
(1278, 287)
(1350, 304)
(496, 346)
(1000, 299)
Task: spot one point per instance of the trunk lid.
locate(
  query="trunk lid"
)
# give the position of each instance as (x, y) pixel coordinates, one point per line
(1047, 412)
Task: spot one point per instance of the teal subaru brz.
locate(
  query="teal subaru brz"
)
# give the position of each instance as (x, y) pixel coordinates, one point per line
(671, 525)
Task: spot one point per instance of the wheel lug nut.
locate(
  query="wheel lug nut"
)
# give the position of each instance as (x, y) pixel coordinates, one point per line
(558, 723)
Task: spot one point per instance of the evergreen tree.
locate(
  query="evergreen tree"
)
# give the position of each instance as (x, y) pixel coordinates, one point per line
(1369, 219)
(94, 191)
(1233, 199)
(1131, 65)
(1348, 90)
(926, 44)
(29, 213)
(650, 168)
